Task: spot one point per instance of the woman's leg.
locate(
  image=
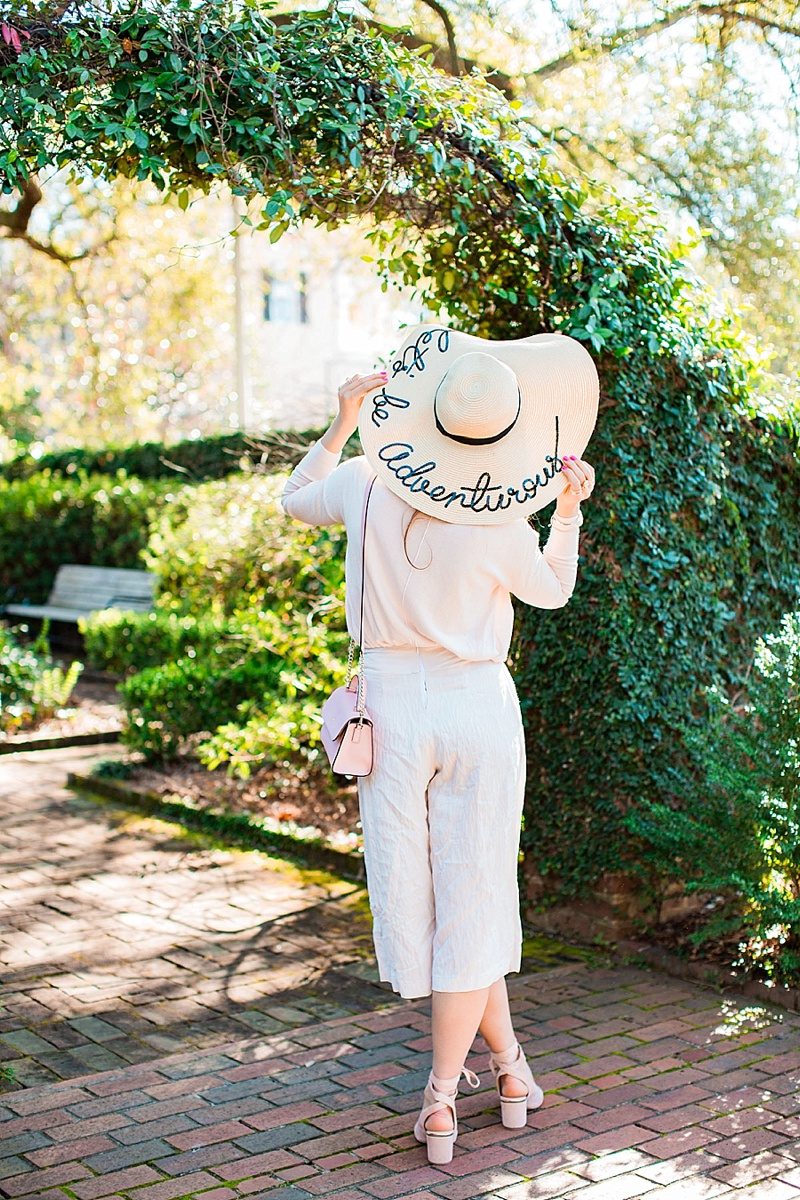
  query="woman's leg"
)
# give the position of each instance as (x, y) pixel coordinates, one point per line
(457, 1016)
(496, 1028)
(455, 1019)
(474, 842)
(454, 1022)
(497, 1031)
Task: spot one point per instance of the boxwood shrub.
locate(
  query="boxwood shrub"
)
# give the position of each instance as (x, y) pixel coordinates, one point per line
(123, 642)
(166, 703)
(189, 461)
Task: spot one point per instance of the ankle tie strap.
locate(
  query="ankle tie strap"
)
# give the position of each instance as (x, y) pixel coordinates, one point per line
(450, 1085)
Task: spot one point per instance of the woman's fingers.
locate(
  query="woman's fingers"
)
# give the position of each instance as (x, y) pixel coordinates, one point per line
(357, 386)
(365, 382)
(580, 475)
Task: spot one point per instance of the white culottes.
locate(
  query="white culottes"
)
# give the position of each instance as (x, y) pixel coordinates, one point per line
(441, 815)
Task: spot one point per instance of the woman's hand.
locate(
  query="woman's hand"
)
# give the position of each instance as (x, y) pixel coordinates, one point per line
(579, 477)
(351, 393)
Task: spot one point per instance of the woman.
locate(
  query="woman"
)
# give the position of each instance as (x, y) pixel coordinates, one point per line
(463, 432)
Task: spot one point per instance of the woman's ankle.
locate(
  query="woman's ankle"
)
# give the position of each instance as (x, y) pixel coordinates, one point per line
(507, 1055)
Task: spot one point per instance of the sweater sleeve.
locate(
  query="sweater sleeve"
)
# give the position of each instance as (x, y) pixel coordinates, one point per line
(314, 492)
(544, 578)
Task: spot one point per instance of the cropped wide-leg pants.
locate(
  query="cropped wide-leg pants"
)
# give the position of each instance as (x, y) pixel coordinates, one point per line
(441, 815)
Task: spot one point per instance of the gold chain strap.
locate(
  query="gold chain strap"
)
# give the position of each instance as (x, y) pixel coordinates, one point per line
(362, 684)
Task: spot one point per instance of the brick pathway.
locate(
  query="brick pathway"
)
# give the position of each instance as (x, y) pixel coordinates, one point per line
(654, 1088)
(122, 938)
(191, 1021)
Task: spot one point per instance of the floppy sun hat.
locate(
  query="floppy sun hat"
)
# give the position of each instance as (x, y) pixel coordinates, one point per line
(469, 430)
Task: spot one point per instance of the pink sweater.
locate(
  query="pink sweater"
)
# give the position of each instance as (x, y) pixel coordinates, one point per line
(459, 595)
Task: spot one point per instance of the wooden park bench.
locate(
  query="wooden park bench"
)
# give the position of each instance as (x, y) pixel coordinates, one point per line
(78, 591)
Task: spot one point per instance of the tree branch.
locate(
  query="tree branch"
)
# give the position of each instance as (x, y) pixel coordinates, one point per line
(444, 17)
(636, 33)
(17, 220)
(442, 58)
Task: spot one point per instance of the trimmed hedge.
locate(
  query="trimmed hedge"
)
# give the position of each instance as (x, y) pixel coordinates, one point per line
(62, 514)
(190, 461)
(47, 520)
(122, 642)
(167, 703)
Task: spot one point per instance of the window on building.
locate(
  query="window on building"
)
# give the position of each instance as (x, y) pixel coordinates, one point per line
(286, 300)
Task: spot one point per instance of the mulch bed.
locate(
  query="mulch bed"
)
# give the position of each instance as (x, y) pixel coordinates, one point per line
(724, 950)
(675, 936)
(297, 795)
(93, 707)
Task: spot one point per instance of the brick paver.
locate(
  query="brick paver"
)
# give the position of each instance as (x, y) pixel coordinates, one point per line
(327, 1109)
(654, 1088)
(121, 938)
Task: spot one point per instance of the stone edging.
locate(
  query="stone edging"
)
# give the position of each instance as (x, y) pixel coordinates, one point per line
(238, 829)
(708, 973)
(60, 742)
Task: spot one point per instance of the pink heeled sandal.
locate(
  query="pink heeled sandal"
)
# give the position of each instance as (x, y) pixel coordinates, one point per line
(514, 1109)
(439, 1094)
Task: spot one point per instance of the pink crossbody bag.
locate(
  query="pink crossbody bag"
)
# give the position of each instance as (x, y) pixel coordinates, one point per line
(347, 730)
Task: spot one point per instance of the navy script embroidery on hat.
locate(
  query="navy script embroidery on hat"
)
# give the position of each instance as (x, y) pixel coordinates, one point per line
(478, 497)
(379, 403)
(413, 359)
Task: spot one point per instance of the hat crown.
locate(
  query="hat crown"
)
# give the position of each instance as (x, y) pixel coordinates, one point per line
(478, 397)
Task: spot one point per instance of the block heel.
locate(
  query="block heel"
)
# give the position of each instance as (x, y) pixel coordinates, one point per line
(441, 1094)
(514, 1109)
(439, 1145)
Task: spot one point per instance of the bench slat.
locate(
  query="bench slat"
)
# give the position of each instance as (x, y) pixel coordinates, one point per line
(79, 590)
(46, 610)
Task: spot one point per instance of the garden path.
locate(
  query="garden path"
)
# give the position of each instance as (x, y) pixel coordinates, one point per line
(124, 938)
(655, 1088)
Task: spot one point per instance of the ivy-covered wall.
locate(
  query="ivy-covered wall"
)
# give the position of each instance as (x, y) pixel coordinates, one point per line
(691, 541)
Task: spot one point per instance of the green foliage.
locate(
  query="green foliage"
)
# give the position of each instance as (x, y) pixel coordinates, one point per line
(19, 417)
(189, 461)
(164, 704)
(123, 642)
(691, 545)
(231, 546)
(114, 768)
(32, 686)
(734, 831)
(46, 521)
(311, 649)
(268, 588)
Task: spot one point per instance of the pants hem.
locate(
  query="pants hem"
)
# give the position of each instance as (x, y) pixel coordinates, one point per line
(408, 993)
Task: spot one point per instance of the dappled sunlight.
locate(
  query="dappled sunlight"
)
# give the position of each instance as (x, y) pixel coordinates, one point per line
(738, 1017)
(118, 908)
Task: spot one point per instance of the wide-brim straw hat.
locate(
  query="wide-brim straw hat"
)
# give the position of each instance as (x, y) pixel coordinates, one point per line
(471, 430)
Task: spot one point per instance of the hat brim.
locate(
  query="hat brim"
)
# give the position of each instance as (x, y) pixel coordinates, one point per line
(466, 484)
